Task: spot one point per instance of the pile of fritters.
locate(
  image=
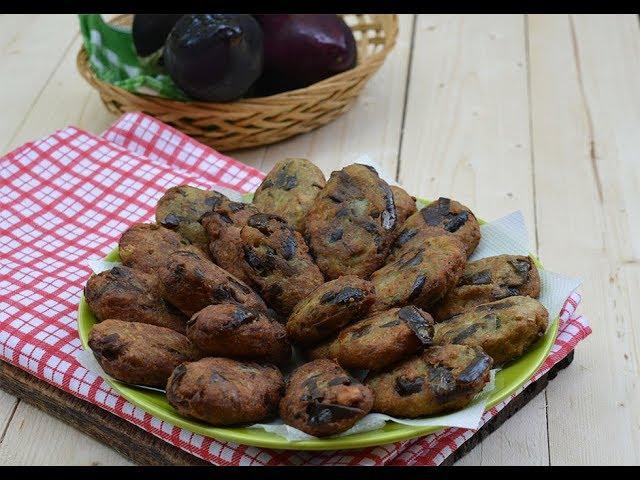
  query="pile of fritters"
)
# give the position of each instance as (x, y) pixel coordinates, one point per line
(210, 299)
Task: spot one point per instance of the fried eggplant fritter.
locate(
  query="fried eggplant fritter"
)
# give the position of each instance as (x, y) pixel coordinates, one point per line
(289, 190)
(440, 379)
(277, 260)
(385, 338)
(351, 223)
(442, 217)
(420, 275)
(505, 329)
(234, 331)
(145, 246)
(180, 209)
(223, 224)
(130, 295)
(190, 281)
(487, 280)
(322, 399)
(139, 353)
(405, 203)
(329, 308)
(221, 391)
(329, 348)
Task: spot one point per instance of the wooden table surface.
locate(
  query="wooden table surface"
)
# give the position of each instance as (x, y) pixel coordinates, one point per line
(538, 113)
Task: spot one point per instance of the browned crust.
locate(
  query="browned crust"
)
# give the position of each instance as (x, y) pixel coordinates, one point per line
(505, 329)
(221, 391)
(130, 295)
(191, 282)
(421, 274)
(289, 190)
(488, 280)
(322, 399)
(441, 379)
(234, 331)
(139, 353)
(329, 308)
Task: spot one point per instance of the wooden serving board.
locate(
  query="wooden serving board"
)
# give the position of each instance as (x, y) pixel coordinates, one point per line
(144, 448)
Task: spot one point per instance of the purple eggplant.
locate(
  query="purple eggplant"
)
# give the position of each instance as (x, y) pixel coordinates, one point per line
(214, 57)
(301, 49)
(149, 32)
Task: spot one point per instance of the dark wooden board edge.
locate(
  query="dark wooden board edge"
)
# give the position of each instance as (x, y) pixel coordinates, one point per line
(129, 440)
(144, 448)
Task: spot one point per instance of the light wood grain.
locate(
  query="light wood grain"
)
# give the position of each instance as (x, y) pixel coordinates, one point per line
(522, 440)
(466, 130)
(67, 99)
(32, 46)
(585, 95)
(466, 136)
(37, 439)
(7, 409)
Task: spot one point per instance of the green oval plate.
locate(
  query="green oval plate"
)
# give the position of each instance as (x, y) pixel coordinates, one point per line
(508, 380)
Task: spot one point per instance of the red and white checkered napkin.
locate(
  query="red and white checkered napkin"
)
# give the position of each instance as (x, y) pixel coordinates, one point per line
(67, 198)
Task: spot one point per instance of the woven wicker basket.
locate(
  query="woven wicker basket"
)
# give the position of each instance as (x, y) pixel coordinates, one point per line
(259, 121)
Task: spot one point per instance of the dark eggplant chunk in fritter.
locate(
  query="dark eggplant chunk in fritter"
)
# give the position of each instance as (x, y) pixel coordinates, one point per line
(440, 379)
(289, 190)
(329, 308)
(223, 225)
(190, 281)
(442, 217)
(352, 222)
(487, 280)
(130, 295)
(505, 329)
(234, 331)
(385, 338)
(278, 262)
(221, 391)
(180, 209)
(420, 275)
(145, 246)
(322, 399)
(139, 353)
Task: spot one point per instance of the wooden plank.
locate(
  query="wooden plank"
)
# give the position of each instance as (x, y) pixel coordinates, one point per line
(66, 100)
(585, 98)
(31, 48)
(372, 126)
(475, 452)
(466, 131)
(466, 135)
(521, 441)
(38, 439)
(7, 409)
(134, 443)
(32, 428)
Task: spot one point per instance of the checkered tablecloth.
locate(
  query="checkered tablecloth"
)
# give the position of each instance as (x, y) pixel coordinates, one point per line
(67, 198)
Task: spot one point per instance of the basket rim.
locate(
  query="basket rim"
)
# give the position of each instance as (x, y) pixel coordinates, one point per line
(84, 68)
